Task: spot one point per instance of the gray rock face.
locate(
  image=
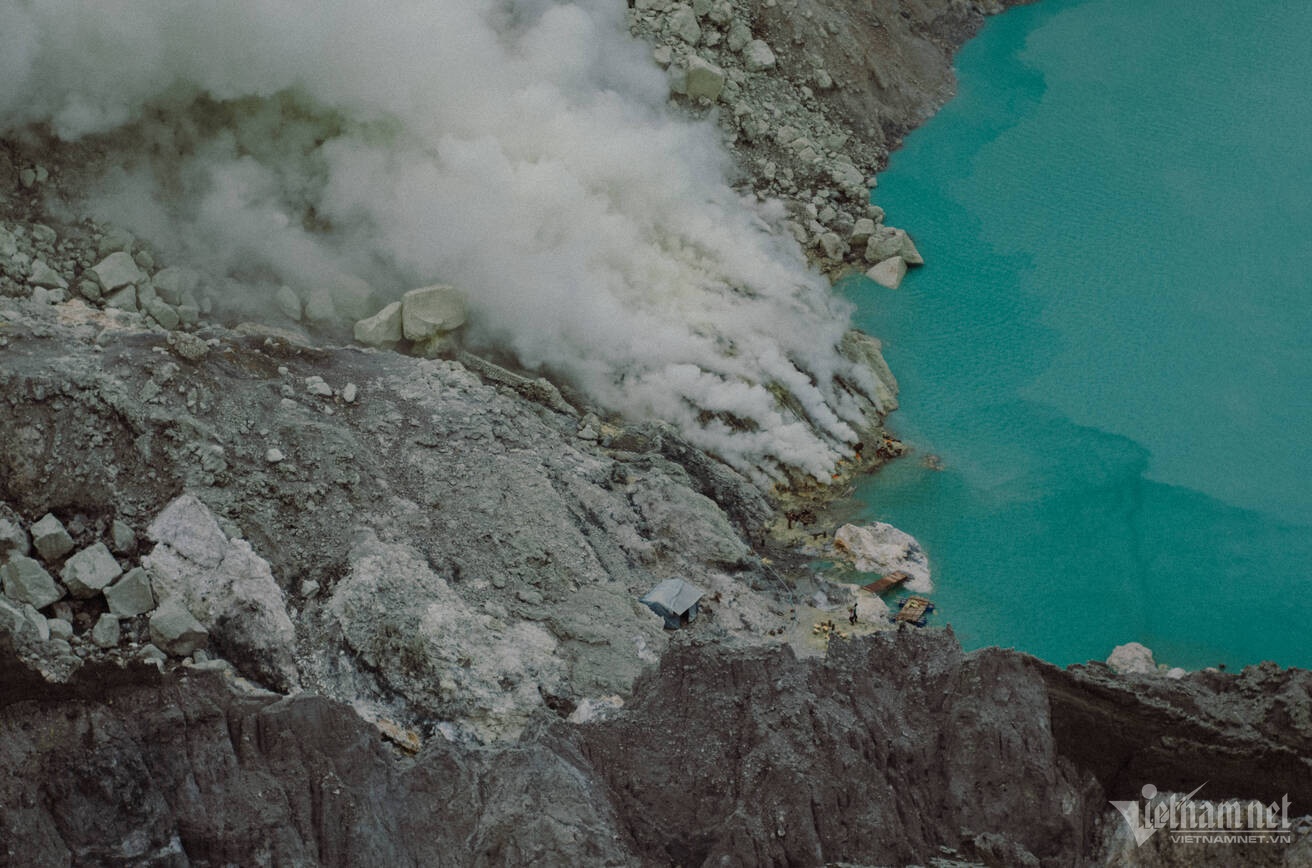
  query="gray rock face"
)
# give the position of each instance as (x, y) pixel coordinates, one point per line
(611, 517)
(50, 538)
(226, 586)
(764, 759)
(174, 630)
(131, 595)
(26, 581)
(90, 571)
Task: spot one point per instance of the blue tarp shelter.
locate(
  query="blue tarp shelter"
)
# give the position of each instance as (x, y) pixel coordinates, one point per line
(674, 600)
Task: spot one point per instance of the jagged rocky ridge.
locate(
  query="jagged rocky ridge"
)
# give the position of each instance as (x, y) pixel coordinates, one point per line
(371, 486)
(895, 749)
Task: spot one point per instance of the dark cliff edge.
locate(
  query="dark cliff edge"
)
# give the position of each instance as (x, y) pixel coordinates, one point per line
(894, 749)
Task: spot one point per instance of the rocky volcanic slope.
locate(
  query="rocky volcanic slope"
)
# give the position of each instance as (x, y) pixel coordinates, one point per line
(895, 749)
(267, 601)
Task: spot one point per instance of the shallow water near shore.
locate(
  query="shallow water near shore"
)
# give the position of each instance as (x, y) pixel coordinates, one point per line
(1110, 347)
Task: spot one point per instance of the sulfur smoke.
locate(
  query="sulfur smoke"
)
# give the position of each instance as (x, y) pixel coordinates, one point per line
(520, 150)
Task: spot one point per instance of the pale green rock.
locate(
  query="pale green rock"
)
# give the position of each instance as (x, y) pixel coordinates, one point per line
(175, 630)
(26, 581)
(50, 538)
(889, 273)
(116, 271)
(106, 633)
(382, 328)
(431, 310)
(704, 79)
(90, 571)
(131, 595)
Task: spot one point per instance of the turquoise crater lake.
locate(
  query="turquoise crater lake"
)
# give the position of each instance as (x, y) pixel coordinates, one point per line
(1110, 347)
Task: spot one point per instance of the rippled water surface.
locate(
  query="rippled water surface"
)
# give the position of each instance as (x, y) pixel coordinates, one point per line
(1111, 345)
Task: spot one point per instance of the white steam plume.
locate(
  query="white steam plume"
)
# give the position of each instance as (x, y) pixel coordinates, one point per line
(520, 150)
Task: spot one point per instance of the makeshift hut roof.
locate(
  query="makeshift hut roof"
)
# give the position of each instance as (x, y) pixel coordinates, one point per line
(674, 595)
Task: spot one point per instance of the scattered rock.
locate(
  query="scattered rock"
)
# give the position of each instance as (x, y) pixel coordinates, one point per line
(122, 538)
(887, 242)
(682, 22)
(46, 277)
(175, 285)
(50, 538)
(106, 633)
(861, 232)
(162, 313)
(38, 622)
(90, 571)
(739, 35)
(58, 628)
(273, 455)
(114, 239)
(757, 56)
(381, 329)
(1132, 658)
(175, 631)
(832, 246)
(430, 310)
(889, 273)
(704, 79)
(116, 271)
(26, 581)
(349, 392)
(123, 299)
(131, 595)
(316, 385)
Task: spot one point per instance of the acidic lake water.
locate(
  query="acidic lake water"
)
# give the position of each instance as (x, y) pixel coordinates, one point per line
(1110, 347)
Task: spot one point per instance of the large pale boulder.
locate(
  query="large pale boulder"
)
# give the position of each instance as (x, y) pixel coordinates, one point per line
(882, 548)
(431, 310)
(889, 273)
(428, 644)
(704, 79)
(228, 588)
(1132, 658)
(116, 271)
(382, 328)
